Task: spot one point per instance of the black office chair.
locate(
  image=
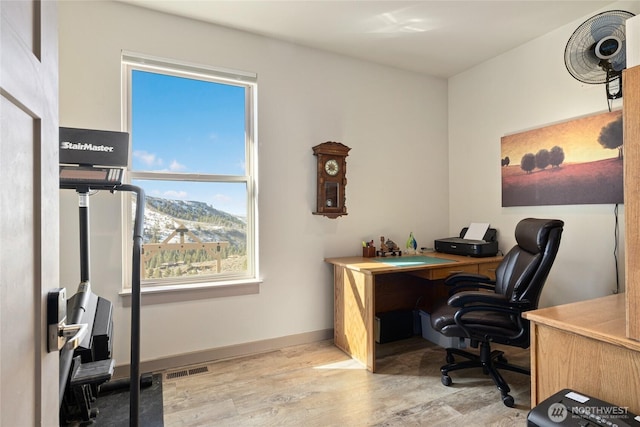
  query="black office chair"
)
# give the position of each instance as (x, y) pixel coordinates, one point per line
(491, 310)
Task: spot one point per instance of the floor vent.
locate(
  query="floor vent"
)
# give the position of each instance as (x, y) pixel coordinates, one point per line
(177, 374)
(186, 372)
(199, 370)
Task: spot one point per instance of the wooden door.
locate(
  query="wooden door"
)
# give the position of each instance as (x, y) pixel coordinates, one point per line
(29, 250)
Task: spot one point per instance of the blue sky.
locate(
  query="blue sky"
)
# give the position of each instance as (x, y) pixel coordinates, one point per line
(189, 126)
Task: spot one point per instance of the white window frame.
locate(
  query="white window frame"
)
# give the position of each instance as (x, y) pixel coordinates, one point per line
(136, 61)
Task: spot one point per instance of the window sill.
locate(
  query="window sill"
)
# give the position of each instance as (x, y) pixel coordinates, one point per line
(197, 291)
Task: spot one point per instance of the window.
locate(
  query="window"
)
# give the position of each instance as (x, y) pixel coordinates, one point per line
(193, 151)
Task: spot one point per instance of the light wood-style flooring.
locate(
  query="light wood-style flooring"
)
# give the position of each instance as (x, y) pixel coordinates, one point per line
(319, 385)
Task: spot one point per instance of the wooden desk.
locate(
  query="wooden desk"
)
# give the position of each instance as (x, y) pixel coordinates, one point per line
(366, 286)
(583, 346)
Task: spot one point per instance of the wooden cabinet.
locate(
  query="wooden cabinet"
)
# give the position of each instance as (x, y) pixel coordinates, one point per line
(631, 119)
(583, 346)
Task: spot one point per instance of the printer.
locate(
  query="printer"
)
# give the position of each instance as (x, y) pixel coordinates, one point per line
(570, 408)
(488, 246)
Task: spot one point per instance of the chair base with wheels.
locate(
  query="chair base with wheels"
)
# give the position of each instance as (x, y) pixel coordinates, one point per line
(490, 361)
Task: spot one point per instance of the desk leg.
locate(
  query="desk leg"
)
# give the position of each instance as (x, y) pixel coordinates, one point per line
(354, 314)
(533, 350)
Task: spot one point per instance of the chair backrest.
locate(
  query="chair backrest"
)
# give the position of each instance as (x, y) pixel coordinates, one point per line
(523, 271)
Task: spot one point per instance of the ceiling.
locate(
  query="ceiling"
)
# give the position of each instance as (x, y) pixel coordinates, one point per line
(439, 38)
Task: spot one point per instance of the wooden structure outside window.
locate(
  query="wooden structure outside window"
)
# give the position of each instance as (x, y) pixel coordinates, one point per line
(214, 248)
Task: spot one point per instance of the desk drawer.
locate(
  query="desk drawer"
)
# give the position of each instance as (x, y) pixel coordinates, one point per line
(489, 269)
(445, 271)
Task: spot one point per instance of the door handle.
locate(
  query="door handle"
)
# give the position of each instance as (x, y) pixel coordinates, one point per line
(72, 334)
(59, 333)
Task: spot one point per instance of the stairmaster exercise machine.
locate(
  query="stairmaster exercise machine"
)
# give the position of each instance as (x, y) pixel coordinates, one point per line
(80, 328)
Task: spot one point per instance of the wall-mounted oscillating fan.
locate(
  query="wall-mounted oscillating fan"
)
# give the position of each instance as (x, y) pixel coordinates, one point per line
(595, 52)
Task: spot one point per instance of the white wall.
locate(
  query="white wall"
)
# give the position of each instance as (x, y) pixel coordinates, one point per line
(633, 41)
(526, 88)
(395, 123)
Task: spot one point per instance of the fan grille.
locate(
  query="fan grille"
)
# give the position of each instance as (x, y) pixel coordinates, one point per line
(579, 54)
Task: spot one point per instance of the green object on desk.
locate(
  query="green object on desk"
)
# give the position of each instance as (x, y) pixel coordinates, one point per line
(413, 260)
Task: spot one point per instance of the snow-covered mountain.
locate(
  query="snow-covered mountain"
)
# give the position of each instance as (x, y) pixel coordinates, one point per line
(163, 216)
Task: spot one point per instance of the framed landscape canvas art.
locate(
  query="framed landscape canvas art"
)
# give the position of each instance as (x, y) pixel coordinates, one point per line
(574, 162)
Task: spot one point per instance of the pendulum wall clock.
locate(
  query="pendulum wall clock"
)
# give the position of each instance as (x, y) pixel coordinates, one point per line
(331, 169)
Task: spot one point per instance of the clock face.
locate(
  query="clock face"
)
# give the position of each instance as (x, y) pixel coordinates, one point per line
(331, 167)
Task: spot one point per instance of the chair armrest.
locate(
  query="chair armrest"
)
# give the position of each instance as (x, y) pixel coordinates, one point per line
(461, 299)
(471, 332)
(460, 281)
(458, 278)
